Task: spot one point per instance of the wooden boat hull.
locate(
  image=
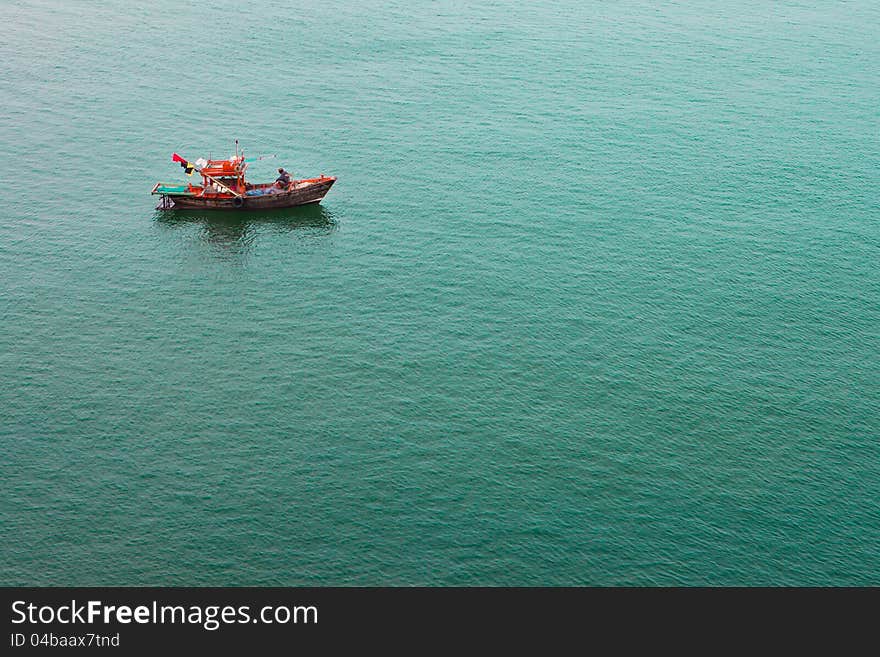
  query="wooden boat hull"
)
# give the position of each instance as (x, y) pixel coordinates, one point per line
(302, 192)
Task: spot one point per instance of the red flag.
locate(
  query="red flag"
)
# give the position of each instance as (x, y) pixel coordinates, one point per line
(176, 158)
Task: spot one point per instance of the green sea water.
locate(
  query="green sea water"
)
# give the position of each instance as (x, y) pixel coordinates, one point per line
(594, 301)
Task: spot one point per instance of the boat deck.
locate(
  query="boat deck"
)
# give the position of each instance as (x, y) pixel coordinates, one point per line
(255, 196)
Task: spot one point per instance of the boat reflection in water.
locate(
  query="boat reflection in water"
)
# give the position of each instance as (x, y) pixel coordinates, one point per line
(237, 229)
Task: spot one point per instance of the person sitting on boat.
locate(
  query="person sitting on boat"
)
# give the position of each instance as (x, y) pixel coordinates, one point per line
(283, 179)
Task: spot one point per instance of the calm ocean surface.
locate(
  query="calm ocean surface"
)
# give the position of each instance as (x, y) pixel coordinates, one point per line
(595, 300)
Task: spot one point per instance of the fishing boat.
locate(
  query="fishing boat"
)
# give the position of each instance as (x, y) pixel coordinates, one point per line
(223, 187)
